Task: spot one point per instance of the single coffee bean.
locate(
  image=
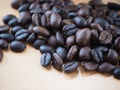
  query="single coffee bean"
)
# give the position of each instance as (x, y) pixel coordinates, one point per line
(31, 38)
(116, 73)
(70, 66)
(24, 18)
(38, 42)
(45, 59)
(94, 36)
(36, 19)
(8, 37)
(1, 55)
(84, 53)
(16, 3)
(84, 11)
(16, 29)
(113, 6)
(46, 49)
(34, 5)
(96, 26)
(70, 41)
(83, 37)
(52, 41)
(21, 34)
(72, 53)
(41, 31)
(3, 44)
(97, 56)
(106, 68)
(95, 3)
(62, 52)
(60, 39)
(4, 28)
(8, 17)
(57, 61)
(24, 7)
(105, 37)
(17, 46)
(13, 22)
(70, 29)
(113, 56)
(46, 6)
(90, 66)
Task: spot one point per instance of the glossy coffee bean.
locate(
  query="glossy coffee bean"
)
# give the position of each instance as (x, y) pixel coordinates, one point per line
(4, 28)
(52, 41)
(36, 19)
(8, 37)
(116, 73)
(96, 26)
(45, 59)
(16, 3)
(3, 44)
(24, 7)
(31, 38)
(13, 22)
(8, 17)
(15, 29)
(94, 36)
(84, 11)
(70, 41)
(17, 46)
(67, 22)
(70, 66)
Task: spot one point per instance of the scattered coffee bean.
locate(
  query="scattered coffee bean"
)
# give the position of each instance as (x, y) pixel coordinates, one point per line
(116, 73)
(8, 17)
(3, 44)
(4, 28)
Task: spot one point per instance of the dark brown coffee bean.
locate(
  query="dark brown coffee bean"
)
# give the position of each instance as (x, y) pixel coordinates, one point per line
(89, 20)
(70, 8)
(72, 53)
(70, 29)
(8, 17)
(106, 68)
(52, 41)
(60, 39)
(70, 66)
(34, 5)
(38, 42)
(97, 56)
(36, 19)
(17, 46)
(102, 49)
(1, 55)
(16, 3)
(105, 37)
(113, 56)
(24, 7)
(84, 11)
(41, 31)
(95, 3)
(94, 36)
(96, 26)
(67, 21)
(46, 49)
(84, 53)
(90, 66)
(57, 61)
(70, 41)
(3, 44)
(31, 38)
(24, 18)
(4, 28)
(45, 59)
(15, 29)
(13, 22)
(83, 37)
(117, 43)
(116, 73)
(113, 6)
(30, 28)
(8, 37)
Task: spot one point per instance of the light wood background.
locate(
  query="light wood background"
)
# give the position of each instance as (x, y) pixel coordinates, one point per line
(23, 71)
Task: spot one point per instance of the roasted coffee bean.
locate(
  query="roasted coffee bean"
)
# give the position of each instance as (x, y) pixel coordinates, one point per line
(72, 15)
(70, 66)
(24, 7)
(4, 28)
(41, 31)
(52, 41)
(70, 29)
(70, 8)
(45, 59)
(16, 3)
(113, 6)
(16, 29)
(46, 49)
(94, 36)
(46, 6)
(21, 34)
(57, 61)
(106, 68)
(1, 55)
(24, 18)
(72, 53)
(84, 11)
(84, 53)
(3, 44)
(70, 41)
(97, 56)
(60, 39)
(8, 37)
(38, 42)
(96, 26)
(17, 46)
(36, 19)
(31, 38)
(112, 56)
(112, 14)
(62, 52)
(89, 20)
(34, 5)
(110, 20)
(8, 17)
(67, 21)
(80, 22)
(105, 37)
(117, 43)
(116, 73)
(83, 37)
(90, 66)
(102, 49)
(13, 22)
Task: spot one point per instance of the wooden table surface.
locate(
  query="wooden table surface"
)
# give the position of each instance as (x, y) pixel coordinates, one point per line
(22, 71)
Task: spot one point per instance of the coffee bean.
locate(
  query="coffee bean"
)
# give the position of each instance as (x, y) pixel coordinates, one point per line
(45, 59)
(52, 41)
(57, 61)
(72, 15)
(84, 11)
(45, 6)
(95, 3)
(36, 18)
(34, 5)
(70, 66)
(13, 22)
(46, 49)
(83, 37)
(106, 68)
(4, 28)
(67, 22)
(94, 36)
(96, 26)
(117, 21)
(116, 73)
(70, 41)
(97, 56)
(84, 53)
(112, 14)
(105, 37)
(117, 43)
(102, 49)
(1, 55)
(16, 3)
(24, 7)
(8, 37)
(72, 53)
(3, 44)
(89, 20)
(113, 6)
(70, 8)
(90, 66)
(31, 38)
(8, 17)
(41, 31)
(17, 46)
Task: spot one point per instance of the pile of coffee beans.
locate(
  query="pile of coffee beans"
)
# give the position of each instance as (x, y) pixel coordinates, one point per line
(67, 35)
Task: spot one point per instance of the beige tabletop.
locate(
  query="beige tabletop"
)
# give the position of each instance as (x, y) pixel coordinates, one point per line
(22, 71)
